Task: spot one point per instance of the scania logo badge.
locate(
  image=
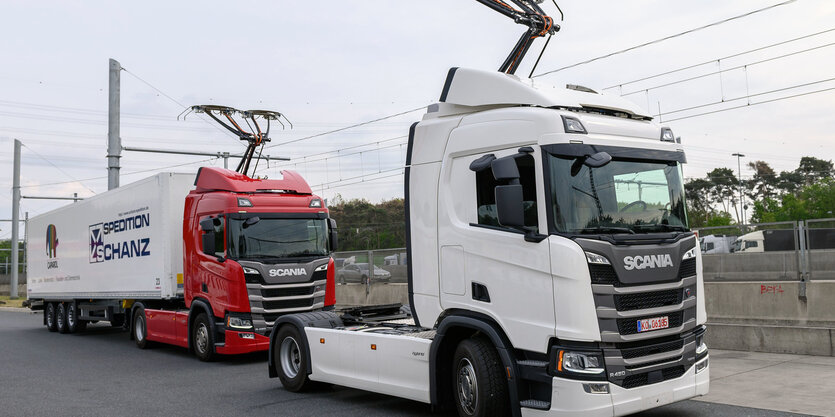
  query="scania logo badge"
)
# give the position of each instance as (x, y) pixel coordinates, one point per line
(288, 272)
(647, 261)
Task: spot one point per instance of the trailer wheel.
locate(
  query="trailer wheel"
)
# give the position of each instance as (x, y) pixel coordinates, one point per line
(61, 318)
(202, 338)
(480, 385)
(140, 328)
(74, 324)
(50, 317)
(290, 359)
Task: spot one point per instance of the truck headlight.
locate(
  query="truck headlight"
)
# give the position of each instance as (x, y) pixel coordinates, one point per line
(597, 259)
(689, 254)
(580, 364)
(237, 322)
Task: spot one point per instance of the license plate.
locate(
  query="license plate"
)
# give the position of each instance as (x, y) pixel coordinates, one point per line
(654, 323)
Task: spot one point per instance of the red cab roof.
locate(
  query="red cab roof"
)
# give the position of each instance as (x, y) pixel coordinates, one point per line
(219, 179)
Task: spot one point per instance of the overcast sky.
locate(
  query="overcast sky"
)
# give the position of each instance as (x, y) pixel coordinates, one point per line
(329, 64)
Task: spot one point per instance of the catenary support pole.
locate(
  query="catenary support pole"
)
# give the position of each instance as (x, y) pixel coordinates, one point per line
(15, 217)
(114, 142)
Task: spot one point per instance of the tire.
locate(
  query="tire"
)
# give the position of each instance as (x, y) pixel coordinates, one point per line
(202, 338)
(140, 328)
(290, 359)
(61, 318)
(341, 279)
(478, 380)
(364, 280)
(74, 324)
(49, 311)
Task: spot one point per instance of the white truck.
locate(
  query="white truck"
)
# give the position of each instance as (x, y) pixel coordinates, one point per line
(551, 267)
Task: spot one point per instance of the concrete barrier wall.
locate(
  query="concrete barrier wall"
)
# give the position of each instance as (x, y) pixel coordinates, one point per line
(21, 290)
(349, 295)
(5, 279)
(766, 266)
(771, 303)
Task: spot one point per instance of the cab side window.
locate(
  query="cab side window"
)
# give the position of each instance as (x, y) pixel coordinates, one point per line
(486, 193)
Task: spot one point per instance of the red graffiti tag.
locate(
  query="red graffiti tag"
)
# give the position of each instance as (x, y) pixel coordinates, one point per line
(771, 289)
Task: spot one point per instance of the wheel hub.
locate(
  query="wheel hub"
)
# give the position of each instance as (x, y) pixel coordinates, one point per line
(467, 386)
(290, 357)
(202, 339)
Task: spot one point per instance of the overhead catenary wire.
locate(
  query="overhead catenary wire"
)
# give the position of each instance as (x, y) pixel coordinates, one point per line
(59, 168)
(645, 44)
(724, 58)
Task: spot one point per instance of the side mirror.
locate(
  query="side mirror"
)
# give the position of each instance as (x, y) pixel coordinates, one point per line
(333, 234)
(251, 221)
(207, 225)
(505, 168)
(598, 160)
(509, 206)
(209, 243)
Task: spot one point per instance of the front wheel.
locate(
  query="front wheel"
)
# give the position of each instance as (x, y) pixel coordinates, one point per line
(291, 359)
(480, 386)
(364, 280)
(202, 338)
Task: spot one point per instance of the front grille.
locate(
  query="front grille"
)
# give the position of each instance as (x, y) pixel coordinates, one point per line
(604, 275)
(639, 380)
(640, 301)
(653, 363)
(687, 268)
(283, 304)
(630, 326)
(637, 352)
(287, 292)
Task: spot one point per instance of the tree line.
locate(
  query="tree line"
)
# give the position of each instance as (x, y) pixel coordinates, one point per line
(807, 192)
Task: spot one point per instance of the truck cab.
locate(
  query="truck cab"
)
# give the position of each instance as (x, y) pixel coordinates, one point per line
(254, 250)
(552, 270)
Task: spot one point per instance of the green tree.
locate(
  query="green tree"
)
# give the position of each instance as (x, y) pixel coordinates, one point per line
(812, 169)
(367, 226)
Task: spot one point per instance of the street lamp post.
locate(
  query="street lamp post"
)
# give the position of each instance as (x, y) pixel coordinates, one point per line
(739, 183)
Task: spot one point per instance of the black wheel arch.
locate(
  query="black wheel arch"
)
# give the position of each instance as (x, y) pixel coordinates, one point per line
(454, 327)
(201, 306)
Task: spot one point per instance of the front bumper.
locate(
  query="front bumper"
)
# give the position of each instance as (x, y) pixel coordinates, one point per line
(568, 398)
(237, 342)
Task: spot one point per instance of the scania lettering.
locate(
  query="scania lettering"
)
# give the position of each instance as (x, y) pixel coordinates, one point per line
(647, 261)
(184, 259)
(522, 201)
(287, 272)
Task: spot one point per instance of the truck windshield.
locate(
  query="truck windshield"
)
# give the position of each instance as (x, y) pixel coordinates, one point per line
(277, 238)
(623, 196)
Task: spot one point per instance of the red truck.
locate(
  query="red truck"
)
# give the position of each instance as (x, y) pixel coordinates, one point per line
(207, 262)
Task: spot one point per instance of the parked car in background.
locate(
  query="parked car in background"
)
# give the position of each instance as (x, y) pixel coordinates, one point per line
(359, 273)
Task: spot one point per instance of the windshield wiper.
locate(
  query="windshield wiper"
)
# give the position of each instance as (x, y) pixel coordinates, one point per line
(606, 229)
(663, 227)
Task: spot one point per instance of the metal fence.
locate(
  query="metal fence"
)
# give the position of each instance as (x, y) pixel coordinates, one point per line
(782, 251)
(389, 266)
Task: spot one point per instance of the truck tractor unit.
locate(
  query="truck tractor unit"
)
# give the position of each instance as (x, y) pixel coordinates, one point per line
(551, 267)
(206, 262)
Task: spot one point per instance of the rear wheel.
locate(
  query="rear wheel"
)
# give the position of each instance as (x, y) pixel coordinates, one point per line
(50, 317)
(202, 338)
(364, 279)
(291, 359)
(480, 386)
(140, 328)
(74, 324)
(61, 318)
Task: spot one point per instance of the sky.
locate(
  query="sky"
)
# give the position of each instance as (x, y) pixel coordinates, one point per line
(331, 64)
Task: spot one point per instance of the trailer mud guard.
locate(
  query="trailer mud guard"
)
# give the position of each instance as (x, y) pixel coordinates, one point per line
(321, 319)
(485, 325)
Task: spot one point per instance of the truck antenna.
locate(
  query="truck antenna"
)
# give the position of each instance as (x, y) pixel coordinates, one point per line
(255, 137)
(531, 15)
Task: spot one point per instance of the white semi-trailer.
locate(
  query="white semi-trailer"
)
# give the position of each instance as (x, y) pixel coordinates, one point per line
(551, 267)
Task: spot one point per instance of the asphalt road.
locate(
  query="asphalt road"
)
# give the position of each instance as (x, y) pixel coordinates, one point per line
(102, 373)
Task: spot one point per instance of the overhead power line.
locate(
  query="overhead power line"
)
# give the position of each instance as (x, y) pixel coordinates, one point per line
(347, 127)
(59, 169)
(744, 66)
(632, 48)
(718, 59)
